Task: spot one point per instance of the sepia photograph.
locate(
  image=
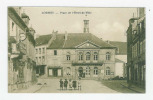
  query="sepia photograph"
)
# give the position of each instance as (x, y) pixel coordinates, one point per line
(76, 49)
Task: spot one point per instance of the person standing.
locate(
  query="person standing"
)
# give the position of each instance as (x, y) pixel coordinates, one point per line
(70, 84)
(65, 84)
(61, 84)
(79, 84)
(74, 84)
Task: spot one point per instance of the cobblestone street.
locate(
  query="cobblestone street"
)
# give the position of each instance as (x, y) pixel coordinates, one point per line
(88, 86)
(52, 86)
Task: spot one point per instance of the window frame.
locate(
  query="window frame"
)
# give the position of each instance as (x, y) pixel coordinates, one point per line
(55, 52)
(108, 56)
(39, 50)
(95, 56)
(95, 70)
(108, 71)
(80, 56)
(87, 70)
(88, 56)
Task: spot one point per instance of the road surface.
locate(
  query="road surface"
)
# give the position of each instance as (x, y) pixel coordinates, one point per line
(88, 86)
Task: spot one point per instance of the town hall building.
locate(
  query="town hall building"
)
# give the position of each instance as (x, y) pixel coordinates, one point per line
(73, 55)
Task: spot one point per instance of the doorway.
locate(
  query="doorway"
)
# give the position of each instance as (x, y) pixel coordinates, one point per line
(55, 73)
(80, 70)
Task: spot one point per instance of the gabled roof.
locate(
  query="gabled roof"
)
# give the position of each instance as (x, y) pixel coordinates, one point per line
(43, 39)
(122, 46)
(74, 39)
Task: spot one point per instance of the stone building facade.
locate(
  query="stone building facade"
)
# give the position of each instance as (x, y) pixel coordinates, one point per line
(120, 58)
(74, 55)
(40, 52)
(21, 52)
(136, 63)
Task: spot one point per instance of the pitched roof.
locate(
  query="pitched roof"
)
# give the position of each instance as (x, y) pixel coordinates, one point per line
(43, 39)
(121, 45)
(74, 39)
(16, 18)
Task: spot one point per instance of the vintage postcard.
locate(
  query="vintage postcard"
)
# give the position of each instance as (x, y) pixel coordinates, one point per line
(76, 50)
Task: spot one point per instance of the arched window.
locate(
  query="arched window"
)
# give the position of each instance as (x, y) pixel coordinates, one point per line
(68, 56)
(95, 56)
(108, 56)
(95, 71)
(107, 71)
(80, 56)
(88, 56)
(88, 70)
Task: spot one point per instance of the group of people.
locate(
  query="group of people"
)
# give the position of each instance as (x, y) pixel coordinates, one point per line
(70, 84)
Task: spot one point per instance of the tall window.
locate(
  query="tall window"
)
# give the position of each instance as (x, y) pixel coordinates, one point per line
(68, 56)
(95, 71)
(55, 52)
(108, 56)
(88, 56)
(143, 46)
(43, 59)
(107, 71)
(36, 60)
(80, 56)
(140, 47)
(95, 56)
(88, 70)
(36, 51)
(39, 50)
(12, 26)
(43, 50)
(39, 59)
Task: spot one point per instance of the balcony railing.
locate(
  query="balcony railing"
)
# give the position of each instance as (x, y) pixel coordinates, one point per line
(87, 63)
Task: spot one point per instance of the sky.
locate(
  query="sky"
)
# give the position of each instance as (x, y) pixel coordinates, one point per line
(106, 23)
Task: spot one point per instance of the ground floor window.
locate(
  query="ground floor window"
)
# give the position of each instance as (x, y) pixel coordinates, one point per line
(54, 72)
(108, 71)
(50, 72)
(88, 70)
(95, 71)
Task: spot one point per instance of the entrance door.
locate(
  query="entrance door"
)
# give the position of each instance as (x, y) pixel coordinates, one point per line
(55, 73)
(80, 70)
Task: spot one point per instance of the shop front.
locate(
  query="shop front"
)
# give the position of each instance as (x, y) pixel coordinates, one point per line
(55, 72)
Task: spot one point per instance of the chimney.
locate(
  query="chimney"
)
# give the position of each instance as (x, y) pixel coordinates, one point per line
(66, 34)
(86, 26)
(25, 18)
(32, 31)
(54, 34)
(107, 41)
